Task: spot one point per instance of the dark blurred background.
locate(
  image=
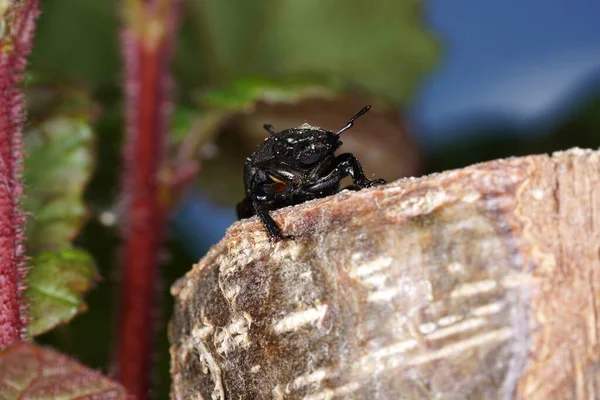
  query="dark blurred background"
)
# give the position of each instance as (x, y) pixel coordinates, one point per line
(451, 83)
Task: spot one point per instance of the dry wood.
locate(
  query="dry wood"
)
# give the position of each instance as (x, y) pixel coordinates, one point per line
(479, 283)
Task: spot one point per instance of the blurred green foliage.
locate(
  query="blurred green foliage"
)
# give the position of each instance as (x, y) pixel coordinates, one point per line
(78, 40)
(57, 169)
(58, 144)
(380, 46)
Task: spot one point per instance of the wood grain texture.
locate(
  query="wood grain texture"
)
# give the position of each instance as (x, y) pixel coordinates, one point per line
(478, 283)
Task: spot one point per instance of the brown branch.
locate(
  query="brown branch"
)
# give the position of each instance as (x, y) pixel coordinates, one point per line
(18, 23)
(147, 47)
(477, 283)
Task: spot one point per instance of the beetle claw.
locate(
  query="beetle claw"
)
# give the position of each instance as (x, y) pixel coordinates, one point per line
(279, 236)
(377, 182)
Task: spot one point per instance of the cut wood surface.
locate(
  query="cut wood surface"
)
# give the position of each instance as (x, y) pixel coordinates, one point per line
(478, 283)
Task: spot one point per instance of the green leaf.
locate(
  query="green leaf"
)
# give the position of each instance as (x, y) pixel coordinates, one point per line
(31, 372)
(55, 288)
(57, 168)
(382, 47)
(242, 94)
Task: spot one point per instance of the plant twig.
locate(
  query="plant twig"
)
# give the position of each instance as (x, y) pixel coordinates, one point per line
(147, 49)
(17, 19)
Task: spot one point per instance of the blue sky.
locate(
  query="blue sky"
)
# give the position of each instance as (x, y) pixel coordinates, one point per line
(523, 60)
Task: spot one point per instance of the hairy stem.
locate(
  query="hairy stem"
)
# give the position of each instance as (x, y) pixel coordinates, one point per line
(17, 19)
(147, 47)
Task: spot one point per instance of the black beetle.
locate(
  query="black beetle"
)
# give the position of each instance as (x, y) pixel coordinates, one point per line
(294, 166)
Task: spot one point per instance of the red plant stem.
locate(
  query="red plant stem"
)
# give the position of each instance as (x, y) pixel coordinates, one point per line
(15, 44)
(147, 60)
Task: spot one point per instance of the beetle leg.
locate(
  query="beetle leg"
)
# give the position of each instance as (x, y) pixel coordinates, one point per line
(328, 184)
(345, 164)
(348, 162)
(273, 229)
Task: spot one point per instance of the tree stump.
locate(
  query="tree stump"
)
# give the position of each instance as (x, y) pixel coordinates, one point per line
(478, 283)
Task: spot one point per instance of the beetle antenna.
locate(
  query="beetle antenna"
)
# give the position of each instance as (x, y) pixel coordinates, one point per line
(269, 128)
(351, 122)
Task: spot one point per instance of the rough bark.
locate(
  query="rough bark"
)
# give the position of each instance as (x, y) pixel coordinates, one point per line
(479, 283)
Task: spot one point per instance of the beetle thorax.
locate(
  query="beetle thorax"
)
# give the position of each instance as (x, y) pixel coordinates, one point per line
(305, 146)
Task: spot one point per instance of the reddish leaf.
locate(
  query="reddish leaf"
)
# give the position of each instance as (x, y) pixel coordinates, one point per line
(31, 372)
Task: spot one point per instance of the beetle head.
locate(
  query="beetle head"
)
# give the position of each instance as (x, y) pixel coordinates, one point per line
(308, 145)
